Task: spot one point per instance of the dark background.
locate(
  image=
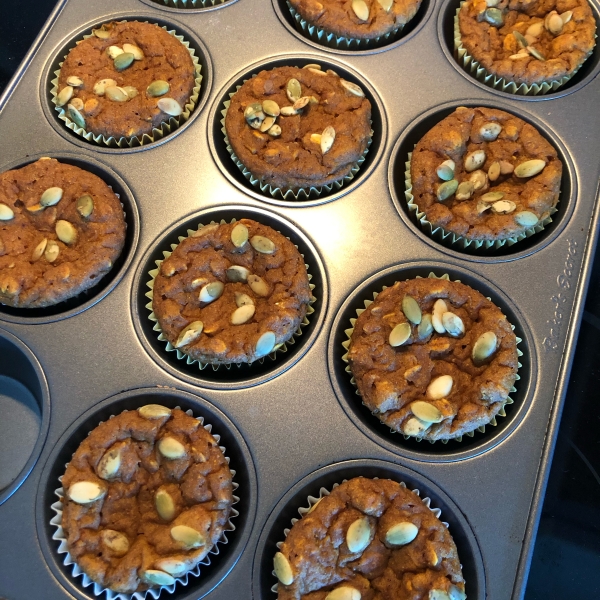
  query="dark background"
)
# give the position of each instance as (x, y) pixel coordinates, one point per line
(566, 561)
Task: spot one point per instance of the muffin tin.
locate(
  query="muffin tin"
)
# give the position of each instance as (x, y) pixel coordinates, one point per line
(293, 425)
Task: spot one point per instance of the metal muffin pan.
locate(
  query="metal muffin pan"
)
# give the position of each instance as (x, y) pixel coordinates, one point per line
(289, 419)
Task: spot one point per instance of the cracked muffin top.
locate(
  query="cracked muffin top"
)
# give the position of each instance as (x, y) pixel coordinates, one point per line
(147, 495)
(528, 41)
(297, 128)
(433, 358)
(369, 539)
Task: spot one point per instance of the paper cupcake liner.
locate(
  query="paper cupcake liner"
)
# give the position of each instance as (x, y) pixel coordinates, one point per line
(331, 40)
(449, 238)
(474, 67)
(153, 592)
(459, 438)
(312, 501)
(288, 193)
(166, 127)
(281, 348)
(187, 4)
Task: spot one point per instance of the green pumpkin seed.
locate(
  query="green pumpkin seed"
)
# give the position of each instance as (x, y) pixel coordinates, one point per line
(494, 17)
(116, 94)
(130, 91)
(74, 81)
(293, 90)
(135, 50)
(399, 335)
(52, 251)
(475, 160)
(51, 196)
(530, 168)
(189, 334)
(327, 139)
(490, 131)
(170, 106)
(270, 107)
(536, 53)
(64, 96)
(275, 131)
(521, 39)
(465, 190)
(6, 213)
(239, 235)
(101, 34)
(426, 412)
(267, 124)
(425, 328)
(100, 86)
(446, 170)
(123, 61)
(156, 577)
(75, 116)
(401, 534)
(361, 10)
(85, 206)
(265, 344)
(411, 310)
(494, 171)
(262, 244)
(526, 219)
(492, 197)
(158, 88)
(446, 189)
(484, 347)
(211, 292)
(65, 232)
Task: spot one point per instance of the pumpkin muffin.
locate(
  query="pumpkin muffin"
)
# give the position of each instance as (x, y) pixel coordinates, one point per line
(61, 230)
(433, 358)
(296, 128)
(369, 539)
(231, 293)
(534, 42)
(147, 495)
(125, 80)
(485, 174)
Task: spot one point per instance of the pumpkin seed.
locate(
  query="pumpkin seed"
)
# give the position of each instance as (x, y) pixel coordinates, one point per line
(490, 131)
(189, 537)
(267, 124)
(156, 577)
(64, 96)
(115, 541)
(456, 593)
(315, 138)
(170, 106)
(283, 569)
(77, 103)
(482, 207)
(526, 219)
(237, 274)
(301, 103)
(411, 309)
(242, 314)
(484, 347)
(262, 244)
(265, 344)
(426, 412)
(239, 235)
(288, 111)
(492, 197)
(439, 308)
(361, 10)
(503, 207)
(352, 88)
(270, 107)
(530, 168)
(154, 411)
(101, 34)
(171, 448)
(39, 250)
(75, 116)
(130, 91)
(137, 52)
(535, 53)
(344, 593)
(165, 505)
(65, 232)
(114, 51)
(386, 4)
(85, 206)
(475, 160)
(554, 23)
(123, 61)
(401, 534)
(519, 56)
(116, 94)
(211, 292)
(109, 464)
(506, 168)
(358, 535)
(414, 427)
(492, 3)
(242, 299)
(6, 213)
(174, 567)
(258, 285)
(535, 30)
(465, 190)
(478, 179)
(52, 251)
(494, 17)
(440, 387)
(425, 328)
(293, 90)
(399, 335)
(453, 324)
(158, 88)
(327, 139)
(446, 170)
(566, 16)
(317, 71)
(438, 595)
(521, 39)
(85, 492)
(446, 189)
(312, 66)
(100, 86)
(51, 196)
(494, 171)
(275, 131)
(189, 334)
(35, 208)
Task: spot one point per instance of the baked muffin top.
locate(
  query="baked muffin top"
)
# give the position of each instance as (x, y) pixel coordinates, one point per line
(369, 539)
(313, 144)
(485, 174)
(61, 230)
(147, 495)
(433, 358)
(231, 293)
(359, 19)
(553, 37)
(126, 82)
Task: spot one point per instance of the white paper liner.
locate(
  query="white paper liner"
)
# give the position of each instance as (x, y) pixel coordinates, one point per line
(153, 592)
(283, 348)
(331, 40)
(499, 83)
(187, 4)
(288, 194)
(459, 438)
(448, 237)
(166, 127)
(313, 501)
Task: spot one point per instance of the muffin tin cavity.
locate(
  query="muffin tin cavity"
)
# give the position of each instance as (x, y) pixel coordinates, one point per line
(46, 83)
(107, 283)
(240, 462)
(229, 168)
(342, 45)
(369, 424)
(189, 5)
(296, 497)
(396, 179)
(229, 376)
(25, 410)
(584, 75)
